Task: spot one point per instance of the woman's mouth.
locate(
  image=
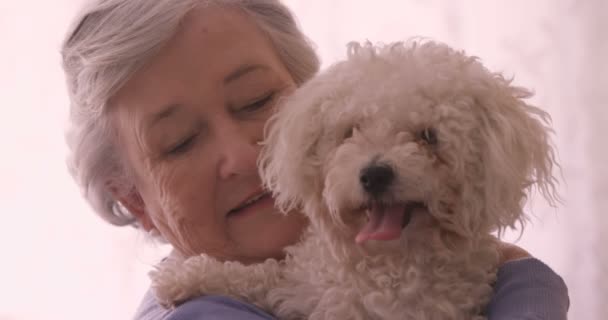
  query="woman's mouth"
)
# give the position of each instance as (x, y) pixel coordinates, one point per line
(252, 204)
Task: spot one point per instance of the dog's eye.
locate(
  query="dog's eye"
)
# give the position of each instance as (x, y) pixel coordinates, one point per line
(349, 131)
(429, 135)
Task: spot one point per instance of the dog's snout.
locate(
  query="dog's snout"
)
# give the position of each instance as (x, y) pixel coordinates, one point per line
(375, 179)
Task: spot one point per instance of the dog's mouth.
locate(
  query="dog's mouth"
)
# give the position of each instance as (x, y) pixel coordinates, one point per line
(385, 221)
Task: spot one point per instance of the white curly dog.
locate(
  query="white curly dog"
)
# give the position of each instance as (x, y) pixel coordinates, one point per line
(407, 158)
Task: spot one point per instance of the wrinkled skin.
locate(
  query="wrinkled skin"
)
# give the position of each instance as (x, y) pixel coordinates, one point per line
(189, 124)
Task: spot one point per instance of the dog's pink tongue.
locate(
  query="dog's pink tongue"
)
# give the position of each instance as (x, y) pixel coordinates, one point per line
(384, 223)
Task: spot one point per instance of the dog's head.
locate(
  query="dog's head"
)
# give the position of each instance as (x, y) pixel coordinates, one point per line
(409, 126)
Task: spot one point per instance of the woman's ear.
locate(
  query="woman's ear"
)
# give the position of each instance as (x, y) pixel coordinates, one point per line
(133, 202)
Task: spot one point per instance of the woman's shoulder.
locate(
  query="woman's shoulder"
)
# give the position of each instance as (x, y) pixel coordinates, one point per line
(203, 308)
(528, 287)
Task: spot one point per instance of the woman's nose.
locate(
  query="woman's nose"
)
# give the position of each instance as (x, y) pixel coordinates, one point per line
(238, 152)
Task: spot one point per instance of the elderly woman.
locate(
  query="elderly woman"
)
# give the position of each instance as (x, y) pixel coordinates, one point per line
(168, 103)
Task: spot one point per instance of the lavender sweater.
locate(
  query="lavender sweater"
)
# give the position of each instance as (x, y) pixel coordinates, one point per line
(526, 289)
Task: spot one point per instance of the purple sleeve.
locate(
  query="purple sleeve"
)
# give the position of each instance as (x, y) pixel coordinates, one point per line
(217, 308)
(528, 289)
(201, 308)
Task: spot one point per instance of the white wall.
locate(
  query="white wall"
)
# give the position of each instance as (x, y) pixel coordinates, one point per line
(59, 261)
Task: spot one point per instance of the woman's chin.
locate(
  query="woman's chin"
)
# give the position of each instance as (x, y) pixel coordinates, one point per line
(265, 234)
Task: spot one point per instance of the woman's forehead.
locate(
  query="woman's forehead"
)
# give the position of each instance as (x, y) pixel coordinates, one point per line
(212, 48)
(217, 40)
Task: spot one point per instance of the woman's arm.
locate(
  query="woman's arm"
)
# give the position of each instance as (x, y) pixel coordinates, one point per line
(527, 289)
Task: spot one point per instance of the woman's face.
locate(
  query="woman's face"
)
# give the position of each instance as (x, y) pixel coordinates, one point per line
(188, 125)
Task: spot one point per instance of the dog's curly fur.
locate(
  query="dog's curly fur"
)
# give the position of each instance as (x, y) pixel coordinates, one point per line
(464, 146)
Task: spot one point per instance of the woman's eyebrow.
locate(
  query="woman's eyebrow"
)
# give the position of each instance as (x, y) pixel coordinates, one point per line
(164, 113)
(243, 70)
(171, 109)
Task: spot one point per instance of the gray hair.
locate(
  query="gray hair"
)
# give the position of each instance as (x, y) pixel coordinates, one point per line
(112, 39)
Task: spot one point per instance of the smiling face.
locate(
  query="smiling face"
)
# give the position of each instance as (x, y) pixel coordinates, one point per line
(189, 124)
(387, 157)
(386, 133)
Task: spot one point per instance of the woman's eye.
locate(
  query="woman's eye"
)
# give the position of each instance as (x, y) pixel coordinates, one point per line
(258, 104)
(183, 146)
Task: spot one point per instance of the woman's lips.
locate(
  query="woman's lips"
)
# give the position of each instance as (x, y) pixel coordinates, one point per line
(264, 201)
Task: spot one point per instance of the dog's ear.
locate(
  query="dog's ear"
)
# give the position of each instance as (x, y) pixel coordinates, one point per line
(289, 164)
(518, 157)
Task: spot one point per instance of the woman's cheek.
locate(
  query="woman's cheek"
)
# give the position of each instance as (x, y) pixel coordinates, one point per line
(164, 197)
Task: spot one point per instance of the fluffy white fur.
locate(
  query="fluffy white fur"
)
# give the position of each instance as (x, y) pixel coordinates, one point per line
(488, 151)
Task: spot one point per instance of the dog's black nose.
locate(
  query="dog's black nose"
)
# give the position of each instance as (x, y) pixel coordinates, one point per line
(376, 178)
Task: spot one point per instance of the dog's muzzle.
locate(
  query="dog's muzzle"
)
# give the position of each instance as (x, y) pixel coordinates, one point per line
(376, 178)
(386, 217)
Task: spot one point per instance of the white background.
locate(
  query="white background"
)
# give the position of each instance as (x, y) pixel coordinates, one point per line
(59, 261)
